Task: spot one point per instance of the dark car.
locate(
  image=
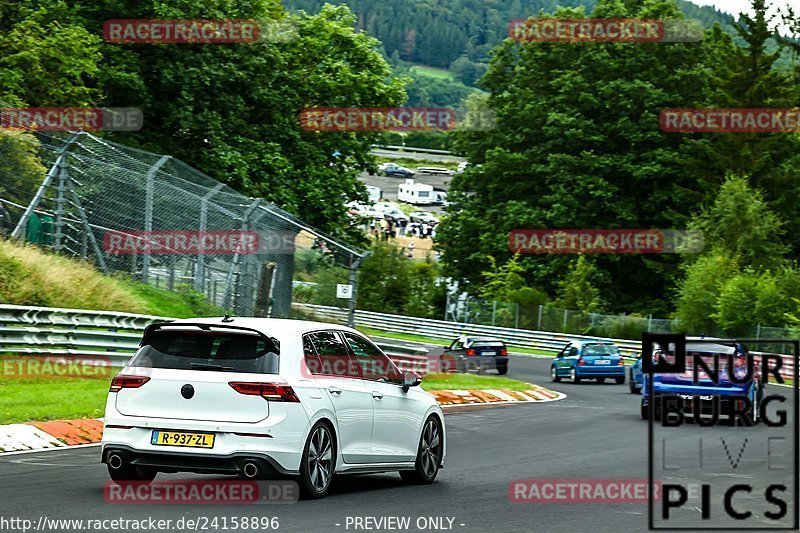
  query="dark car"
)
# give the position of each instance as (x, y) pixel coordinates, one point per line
(478, 353)
(395, 170)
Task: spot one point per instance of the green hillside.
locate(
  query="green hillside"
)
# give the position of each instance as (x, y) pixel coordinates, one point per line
(30, 276)
(438, 33)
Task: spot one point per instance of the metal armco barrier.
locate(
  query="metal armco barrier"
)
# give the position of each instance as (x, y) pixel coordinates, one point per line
(543, 340)
(77, 332)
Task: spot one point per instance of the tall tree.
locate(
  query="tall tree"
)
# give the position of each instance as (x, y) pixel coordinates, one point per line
(231, 111)
(577, 144)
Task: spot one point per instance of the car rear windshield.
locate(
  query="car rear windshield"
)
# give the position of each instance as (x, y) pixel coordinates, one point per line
(488, 344)
(208, 351)
(600, 349)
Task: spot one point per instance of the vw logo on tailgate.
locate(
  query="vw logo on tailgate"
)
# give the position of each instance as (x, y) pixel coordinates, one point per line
(187, 391)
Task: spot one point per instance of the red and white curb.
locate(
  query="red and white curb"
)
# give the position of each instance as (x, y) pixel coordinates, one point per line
(51, 435)
(60, 434)
(457, 398)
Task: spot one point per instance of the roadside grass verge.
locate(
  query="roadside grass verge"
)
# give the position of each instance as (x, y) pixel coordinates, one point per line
(471, 381)
(34, 277)
(414, 163)
(33, 400)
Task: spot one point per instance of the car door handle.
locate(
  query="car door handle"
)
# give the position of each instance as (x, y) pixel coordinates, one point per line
(377, 395)
(335, 390)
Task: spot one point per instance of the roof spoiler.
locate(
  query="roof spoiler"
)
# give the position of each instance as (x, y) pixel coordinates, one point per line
(205, 326)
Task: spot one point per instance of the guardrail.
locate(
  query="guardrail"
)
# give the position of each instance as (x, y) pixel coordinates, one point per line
(411, 149)
(542, 340)
(114, 336)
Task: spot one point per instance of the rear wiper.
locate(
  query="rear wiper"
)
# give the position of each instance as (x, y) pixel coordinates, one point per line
(207, 366)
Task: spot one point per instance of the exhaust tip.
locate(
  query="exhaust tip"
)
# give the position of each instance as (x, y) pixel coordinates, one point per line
(250, 470)
(115, 461)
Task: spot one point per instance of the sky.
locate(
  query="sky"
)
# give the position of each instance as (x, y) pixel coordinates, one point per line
(737, 6)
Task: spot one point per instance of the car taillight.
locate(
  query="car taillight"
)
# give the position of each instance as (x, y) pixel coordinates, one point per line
(272, 392)
(127, 382)
(503, 352)
(470, 352)
(581, 362)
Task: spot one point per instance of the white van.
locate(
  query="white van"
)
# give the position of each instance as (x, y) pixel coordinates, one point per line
(416, 193)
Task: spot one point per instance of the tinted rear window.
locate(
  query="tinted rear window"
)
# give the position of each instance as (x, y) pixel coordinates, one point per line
(209, 351)
(487, 344)
(600, 349)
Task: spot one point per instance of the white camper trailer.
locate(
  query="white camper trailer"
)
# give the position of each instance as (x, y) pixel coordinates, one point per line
(374, 194)
(415, 193)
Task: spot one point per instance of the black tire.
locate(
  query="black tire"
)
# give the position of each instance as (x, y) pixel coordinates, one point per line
(554, 377)
(429, 454)
(620, 380)
(601, 380)
(656, 410)
(131, 474)
(318, 464)
(632, 384)
(573, 374)
(502, 369)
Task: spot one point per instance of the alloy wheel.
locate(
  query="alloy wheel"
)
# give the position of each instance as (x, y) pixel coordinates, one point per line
(431, 446)
(320, 459)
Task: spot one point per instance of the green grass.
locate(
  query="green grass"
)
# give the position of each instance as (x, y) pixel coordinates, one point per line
(32, 276)
(414, 163)
(430, 72)
(183, 303)
(30, 400)
(471, 381)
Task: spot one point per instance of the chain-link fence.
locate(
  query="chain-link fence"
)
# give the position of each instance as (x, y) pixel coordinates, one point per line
(166, 223)
(539, 317)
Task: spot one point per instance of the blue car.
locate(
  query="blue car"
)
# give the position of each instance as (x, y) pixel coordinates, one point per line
(635, 376)
(588, 359)
(701, 397)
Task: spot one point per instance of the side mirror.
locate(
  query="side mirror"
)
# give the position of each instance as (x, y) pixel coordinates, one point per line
(410, 379)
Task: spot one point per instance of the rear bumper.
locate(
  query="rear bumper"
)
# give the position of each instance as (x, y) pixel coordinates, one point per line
(279, 439)
(599, 371)
(695, 390)
(484, 362)
(171, 461)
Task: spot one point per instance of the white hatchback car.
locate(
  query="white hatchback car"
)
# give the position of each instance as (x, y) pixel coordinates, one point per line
(262, 397)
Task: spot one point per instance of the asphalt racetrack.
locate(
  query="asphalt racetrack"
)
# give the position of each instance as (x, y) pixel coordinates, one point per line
(594, 434)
